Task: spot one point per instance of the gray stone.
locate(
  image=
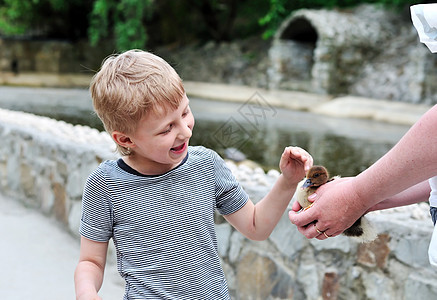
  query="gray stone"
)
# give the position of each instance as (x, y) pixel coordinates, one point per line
(237, 240)
(420, 285)
(287, 238)
(378, 286)
(308, 277)
(223, 231)
(340, 242)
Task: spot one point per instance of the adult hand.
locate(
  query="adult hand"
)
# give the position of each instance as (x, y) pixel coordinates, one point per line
(336, 207)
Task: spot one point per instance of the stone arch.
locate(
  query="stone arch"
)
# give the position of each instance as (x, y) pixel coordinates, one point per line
(298, 39)
(301, 30)
(323, 50)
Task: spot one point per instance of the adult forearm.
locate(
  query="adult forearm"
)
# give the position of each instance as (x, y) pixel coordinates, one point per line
(412, 160)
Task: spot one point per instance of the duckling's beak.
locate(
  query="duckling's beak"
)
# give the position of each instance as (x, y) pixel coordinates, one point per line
(307, 183)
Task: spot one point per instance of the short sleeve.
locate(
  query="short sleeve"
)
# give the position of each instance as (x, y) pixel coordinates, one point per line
(97, 213)
(230, 194)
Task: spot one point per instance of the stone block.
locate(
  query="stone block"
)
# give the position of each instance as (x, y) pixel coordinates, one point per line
(60, 205)
(259, 277)
(340, 243)
(421, 285)
(287, 238)
(74, 217)
(378, 286)
(374, 254)
(330, 286)
(308, 278)
(223, 232)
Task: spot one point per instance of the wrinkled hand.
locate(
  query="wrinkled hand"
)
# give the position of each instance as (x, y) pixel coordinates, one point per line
(336, 207)
(294, 164)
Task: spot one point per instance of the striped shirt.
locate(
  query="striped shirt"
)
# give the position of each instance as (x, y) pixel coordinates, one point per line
(163, 226)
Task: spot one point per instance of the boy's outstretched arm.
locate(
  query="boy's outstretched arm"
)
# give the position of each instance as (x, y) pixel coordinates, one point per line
(88, 277)
(257, 222)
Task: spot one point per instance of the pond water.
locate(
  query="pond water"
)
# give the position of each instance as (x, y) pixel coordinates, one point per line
(345, 146)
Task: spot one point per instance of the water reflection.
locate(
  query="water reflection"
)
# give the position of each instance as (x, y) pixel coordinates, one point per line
(345, 146)
(339, 154)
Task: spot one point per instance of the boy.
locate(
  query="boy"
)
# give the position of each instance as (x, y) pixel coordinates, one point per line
(157, 201)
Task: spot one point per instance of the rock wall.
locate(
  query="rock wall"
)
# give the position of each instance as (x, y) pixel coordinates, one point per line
(44, 163)
(48, 56)
(366, 51)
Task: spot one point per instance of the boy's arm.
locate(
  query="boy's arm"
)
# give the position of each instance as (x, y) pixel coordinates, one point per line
(88, 276)
(257, 222)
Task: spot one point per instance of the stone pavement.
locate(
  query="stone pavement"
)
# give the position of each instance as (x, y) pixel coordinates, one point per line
(38, 257)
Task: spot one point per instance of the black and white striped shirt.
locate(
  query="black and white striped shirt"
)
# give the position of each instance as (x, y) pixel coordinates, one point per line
(163, 226)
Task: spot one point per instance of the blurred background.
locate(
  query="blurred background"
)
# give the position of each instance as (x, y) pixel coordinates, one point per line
(343, 79)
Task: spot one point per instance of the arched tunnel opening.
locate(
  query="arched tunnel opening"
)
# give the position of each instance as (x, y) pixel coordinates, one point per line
(300, 30)
(295, 53)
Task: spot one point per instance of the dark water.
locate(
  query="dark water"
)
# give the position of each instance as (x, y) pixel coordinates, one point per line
(261, 132)
(345, 146)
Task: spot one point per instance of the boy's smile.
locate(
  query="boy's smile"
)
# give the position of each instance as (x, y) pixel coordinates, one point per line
(179, 149)
(160, 141)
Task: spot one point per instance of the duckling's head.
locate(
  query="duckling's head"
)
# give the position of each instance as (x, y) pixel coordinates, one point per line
(316, 176)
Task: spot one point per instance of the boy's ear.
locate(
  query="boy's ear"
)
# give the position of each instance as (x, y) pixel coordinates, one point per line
(122, 139)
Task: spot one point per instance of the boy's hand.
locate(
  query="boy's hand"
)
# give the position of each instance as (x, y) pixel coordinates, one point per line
(294, 164)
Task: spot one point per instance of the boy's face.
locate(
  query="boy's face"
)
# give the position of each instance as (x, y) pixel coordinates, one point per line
(161, 140)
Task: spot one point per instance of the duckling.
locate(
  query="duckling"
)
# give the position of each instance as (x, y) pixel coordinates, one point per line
(362, 230)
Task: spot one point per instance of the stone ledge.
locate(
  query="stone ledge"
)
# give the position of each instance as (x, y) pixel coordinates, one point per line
(39, 164)
(344, 107)
(378, 110)
(46, 80)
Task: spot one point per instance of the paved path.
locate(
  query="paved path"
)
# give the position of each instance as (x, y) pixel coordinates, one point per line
(38, 257)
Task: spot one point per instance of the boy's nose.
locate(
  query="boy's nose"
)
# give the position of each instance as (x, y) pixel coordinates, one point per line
(186, 131)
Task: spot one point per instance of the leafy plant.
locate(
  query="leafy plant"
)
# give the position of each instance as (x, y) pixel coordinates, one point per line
(125, 19)
(52, 18)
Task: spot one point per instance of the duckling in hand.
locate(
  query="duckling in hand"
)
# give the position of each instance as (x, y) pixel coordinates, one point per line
(362, 230)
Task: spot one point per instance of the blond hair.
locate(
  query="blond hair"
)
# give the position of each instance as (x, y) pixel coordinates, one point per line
(131, 85)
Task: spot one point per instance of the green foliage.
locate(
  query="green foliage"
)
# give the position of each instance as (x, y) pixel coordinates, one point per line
(125, 19)
(167, 21)
(98, 28)
(55, 18)
(15, 15)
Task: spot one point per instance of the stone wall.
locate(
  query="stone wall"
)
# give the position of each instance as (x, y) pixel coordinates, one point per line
(366, 51)
(44, 163)
(49, 56)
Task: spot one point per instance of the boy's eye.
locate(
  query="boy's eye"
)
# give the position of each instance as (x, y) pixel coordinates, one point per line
(167, 130)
